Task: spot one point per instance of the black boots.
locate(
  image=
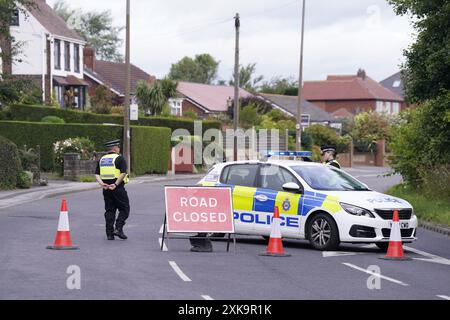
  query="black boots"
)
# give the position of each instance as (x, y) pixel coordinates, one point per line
(200, 243)
(119, 233)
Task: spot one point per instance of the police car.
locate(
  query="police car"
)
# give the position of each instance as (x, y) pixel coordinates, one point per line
(316, 202)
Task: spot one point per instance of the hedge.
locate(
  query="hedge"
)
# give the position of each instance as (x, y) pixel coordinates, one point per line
(11, 167)
(150, 146)
(150, 150)
(36, 113)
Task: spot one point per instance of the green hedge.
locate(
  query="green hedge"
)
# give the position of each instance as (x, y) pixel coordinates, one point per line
(150, 146)
(36, 113)
(150, 150)
(11, 167)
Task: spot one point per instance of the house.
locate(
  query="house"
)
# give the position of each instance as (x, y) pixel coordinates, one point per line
(395, 84)
(51, 55)
(311, 114)
(111, 75)
(204, 99)
(354, 93)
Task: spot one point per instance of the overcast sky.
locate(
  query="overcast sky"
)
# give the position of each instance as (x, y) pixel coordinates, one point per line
(340, 36)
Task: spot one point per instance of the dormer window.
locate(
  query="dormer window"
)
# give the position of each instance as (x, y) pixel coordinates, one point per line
(15, 18)
(57, 53)
(397, 83)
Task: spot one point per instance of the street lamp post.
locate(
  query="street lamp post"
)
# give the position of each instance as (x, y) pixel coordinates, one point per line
(300, 86)
(237, 24)
(126, 117)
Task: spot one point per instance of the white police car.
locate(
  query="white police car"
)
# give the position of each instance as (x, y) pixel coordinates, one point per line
(316, 202)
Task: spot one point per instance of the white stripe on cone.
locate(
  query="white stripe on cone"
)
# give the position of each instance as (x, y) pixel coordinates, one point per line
(63, 224)
(395, 232)
(276, 228)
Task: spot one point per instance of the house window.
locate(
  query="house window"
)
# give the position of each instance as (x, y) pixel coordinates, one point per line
(57, 53)
(397, 83)
(396, 108)
(76, 57)
(388, 107)
(15, 18)
(67, 55)
(380, 108)
(175, 107)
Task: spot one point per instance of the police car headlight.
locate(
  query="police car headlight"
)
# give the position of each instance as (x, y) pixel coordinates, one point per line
(357, 211)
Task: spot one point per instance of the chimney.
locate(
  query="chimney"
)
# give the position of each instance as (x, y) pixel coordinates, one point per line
(361, 74)
(89, 57)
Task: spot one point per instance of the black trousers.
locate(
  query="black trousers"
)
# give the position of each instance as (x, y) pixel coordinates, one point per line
(116, 200)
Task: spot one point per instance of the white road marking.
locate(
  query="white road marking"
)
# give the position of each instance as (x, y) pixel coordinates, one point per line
(179, 272)
(444, 297)
(207, 297)
(161, 229)
(375, 274)
(327, 254)
(164, 246)
(430, 257)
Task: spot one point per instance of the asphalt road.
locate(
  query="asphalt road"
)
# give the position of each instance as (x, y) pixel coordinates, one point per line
(137, 269)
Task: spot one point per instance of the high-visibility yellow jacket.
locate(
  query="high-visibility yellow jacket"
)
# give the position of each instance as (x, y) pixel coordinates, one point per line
(108, 170)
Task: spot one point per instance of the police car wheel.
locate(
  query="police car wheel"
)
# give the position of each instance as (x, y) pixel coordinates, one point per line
(323, 233)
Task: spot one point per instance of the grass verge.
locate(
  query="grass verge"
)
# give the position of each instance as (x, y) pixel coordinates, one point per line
(426, 208)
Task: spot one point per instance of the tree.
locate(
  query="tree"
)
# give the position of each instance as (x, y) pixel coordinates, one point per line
(202, 69)
(278, 85)
(370, 127)
(169, 88)
(247, 80)
(96, 28)
(150, 98)
(101, 100)
(427, 68)
(420, 142)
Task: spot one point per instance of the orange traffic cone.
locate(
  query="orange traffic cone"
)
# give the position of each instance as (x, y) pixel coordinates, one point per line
(395, 249)
(275, 247)
(63, 240)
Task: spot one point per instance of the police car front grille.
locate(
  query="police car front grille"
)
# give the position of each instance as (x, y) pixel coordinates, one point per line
(406, 233)
(403, 214)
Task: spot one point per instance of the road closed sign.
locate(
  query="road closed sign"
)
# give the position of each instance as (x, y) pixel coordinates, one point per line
(199, 209)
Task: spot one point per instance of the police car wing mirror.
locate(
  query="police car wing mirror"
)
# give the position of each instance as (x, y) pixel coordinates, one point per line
(292, 187)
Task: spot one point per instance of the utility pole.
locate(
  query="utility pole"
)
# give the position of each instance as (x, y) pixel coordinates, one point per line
(237, 24)
(126, 117)
(300, 86)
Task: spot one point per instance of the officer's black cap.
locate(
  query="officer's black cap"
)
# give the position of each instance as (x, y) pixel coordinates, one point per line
(114, 143)
(328, 148)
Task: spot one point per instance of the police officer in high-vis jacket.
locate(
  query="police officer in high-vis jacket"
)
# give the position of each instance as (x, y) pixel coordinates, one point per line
(329, 155)
(111, 174)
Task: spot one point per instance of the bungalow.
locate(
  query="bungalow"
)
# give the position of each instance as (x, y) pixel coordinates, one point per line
(311, 114)
(204, 99)
(352, 93)
(51, 55)
(111, 75)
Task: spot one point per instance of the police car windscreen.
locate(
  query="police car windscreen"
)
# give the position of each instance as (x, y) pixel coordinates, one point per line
(328, 178)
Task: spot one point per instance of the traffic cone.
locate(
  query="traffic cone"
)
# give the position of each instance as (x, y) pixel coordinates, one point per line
(62, 239)
(395, 249)
(275, 247)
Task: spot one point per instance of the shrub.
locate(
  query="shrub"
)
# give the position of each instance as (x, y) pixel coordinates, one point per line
(82, 146)
(52, 119)
(24, 179)
(190, 114)
(117, 110)
(322, 135)
(435, 181)
(10, 168)
(101, 100)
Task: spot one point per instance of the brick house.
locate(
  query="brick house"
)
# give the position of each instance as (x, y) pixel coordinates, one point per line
(51, 55)
(111, 75)
(352, 93)
(204, 99)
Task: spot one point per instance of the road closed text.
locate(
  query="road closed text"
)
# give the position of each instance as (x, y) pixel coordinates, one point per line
(199, 209)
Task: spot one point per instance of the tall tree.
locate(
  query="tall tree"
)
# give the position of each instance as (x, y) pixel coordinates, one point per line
(96, 28)
(247, 80)
(202, 69)
(427, 68)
